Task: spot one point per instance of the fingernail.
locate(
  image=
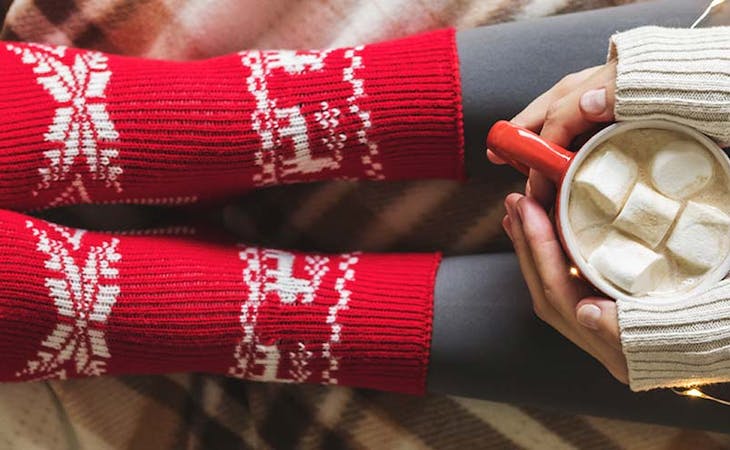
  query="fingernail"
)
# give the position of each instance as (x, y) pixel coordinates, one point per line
(594, 102)
(507, 225)
(510, 206)
(589, 315)
(510, 211)
(521, 208)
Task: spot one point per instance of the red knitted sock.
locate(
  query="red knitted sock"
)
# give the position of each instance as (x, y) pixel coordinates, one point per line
(75, 304)
(85, 127)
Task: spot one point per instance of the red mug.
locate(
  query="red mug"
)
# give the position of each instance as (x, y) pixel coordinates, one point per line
(524, 150)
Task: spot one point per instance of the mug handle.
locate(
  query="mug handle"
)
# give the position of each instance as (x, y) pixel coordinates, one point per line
(524, 150)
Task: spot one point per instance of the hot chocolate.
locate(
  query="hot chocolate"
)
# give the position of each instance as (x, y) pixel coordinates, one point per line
(650, 211)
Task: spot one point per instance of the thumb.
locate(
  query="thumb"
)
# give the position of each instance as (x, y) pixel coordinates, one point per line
(600, 315)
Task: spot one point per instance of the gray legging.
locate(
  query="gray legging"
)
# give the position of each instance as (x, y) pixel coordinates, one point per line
(486, 341)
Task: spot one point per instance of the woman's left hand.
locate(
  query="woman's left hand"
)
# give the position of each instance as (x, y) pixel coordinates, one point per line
(575, 105)
(559, 298)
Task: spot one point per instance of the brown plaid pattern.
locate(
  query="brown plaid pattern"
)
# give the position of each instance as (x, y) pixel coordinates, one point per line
(206, 412)
(209, 412)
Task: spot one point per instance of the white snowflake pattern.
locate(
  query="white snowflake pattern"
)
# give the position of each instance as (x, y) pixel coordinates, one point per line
(84, 295)
(81, 125)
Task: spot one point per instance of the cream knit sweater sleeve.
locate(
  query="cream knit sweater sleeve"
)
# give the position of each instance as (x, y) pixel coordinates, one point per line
(681, 75)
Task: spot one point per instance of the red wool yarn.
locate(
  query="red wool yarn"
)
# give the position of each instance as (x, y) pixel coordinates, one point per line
(77, 304)
(87, 127)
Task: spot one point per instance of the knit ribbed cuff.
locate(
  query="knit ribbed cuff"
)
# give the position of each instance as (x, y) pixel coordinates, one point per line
(681, 75)
(679, 343)
(413, 91)
(385, 336)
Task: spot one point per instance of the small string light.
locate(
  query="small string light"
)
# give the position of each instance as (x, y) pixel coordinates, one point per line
(696, 393)
(574, 271)
(707, 12)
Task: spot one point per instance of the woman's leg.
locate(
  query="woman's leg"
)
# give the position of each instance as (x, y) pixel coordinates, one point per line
(166, 132)
(504, 67)
(486, 342)
(79, 304)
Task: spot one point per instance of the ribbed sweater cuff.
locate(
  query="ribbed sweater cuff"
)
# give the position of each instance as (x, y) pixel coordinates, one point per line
(680, 343)
(414, 97)
(681, 75)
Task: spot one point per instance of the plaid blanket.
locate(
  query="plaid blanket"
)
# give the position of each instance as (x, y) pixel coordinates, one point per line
(197, 411)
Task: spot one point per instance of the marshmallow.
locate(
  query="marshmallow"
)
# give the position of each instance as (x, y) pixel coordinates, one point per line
(629, 265)
(608, 179)
(700, 238)
(647, 214)
(584, 213)
(681, 169)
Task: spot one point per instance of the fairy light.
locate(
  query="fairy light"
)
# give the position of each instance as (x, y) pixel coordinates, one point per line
(573, 271)
(707, 11)
(694, 392)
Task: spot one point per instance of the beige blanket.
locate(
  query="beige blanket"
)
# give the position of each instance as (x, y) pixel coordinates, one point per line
(196, 411)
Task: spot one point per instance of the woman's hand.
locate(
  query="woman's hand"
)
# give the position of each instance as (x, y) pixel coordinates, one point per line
(575, 105)
(559, 298)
